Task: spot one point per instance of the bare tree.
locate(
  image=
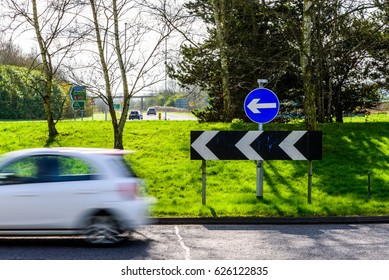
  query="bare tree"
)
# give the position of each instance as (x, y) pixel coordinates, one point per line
(127, 54)
(12, 54)
(52, 23)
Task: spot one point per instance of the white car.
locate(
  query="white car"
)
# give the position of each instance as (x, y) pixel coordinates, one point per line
(151, 111)
(58, 191)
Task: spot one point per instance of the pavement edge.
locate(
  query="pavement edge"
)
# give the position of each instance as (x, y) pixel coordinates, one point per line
(272, 220)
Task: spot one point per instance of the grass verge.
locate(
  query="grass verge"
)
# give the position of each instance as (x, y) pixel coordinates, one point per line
(162, 158)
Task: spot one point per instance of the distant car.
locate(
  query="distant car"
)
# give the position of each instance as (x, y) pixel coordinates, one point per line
(135, 115)
(151, 111)
(70, 191)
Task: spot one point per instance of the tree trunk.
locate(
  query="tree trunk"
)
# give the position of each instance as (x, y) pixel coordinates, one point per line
(309, 86)
(319, 68)
(338, 108)
(306, 65)
(118, 141)
(118, 137)
(48, 74)
(219, 16)
(330, 94)
(49, 117)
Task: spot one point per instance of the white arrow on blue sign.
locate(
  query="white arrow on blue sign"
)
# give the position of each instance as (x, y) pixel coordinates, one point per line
(261, 105)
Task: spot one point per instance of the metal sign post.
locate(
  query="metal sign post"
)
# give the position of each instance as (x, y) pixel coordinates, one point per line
(204, 179)
(260, 163)
(261, 106)
(260, 171)
(78, 97)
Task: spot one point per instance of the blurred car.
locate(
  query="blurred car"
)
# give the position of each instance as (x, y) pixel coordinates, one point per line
(151, 111)
(68, 191)
(135, 115)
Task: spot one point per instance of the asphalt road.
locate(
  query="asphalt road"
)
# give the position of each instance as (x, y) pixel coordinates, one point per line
(217, 242)
(170, 116)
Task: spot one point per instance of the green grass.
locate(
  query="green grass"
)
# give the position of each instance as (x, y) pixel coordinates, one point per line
(162, 158)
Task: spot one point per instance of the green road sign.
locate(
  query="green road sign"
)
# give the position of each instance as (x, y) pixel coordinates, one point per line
(78, 93)
(78, 97)
(78, 105)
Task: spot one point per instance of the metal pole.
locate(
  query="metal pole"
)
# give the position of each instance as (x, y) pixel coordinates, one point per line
(260, 173)
(260, 163)
(310, 175)
(204, 174)
(165, 77)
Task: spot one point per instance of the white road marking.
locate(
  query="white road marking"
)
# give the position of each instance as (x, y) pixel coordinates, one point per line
(180, 240)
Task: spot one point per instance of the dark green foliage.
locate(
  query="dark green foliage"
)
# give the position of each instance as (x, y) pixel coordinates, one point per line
(20, 94)
(349, 55)
(257, 47)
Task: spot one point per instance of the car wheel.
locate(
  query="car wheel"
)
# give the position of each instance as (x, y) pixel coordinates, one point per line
(103, 229)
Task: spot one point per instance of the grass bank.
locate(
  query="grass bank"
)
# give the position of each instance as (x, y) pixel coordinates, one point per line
(162, 158)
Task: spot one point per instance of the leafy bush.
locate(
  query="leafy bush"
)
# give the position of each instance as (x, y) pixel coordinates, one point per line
(20, 94)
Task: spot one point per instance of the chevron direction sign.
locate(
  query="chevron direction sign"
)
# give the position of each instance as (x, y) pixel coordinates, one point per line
(256, 145)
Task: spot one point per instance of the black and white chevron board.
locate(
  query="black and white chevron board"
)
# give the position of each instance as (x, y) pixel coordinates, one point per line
(256, 145)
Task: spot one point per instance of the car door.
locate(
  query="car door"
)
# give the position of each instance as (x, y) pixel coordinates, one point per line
(20, 194)
(76, 191)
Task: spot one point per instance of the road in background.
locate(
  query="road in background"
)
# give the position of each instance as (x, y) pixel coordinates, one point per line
(170, 116)
(174, 116)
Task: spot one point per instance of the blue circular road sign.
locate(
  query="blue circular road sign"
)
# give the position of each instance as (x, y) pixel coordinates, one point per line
(261, 105)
